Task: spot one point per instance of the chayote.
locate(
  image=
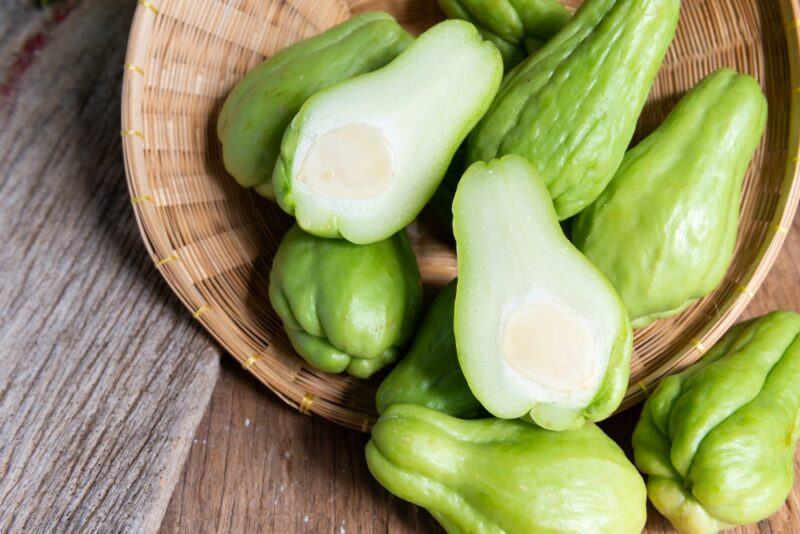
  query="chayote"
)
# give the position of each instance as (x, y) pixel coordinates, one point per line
(540, 332)
(363, 157)
(429, 375)
(717, 440)
(664, 230)
(571, 108)
(261, 106)
(346, 307)
(495, 476)
(516, 27)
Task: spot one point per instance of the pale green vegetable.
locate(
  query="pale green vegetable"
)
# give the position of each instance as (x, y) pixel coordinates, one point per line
(498, 476)
(346, 307)
(361, 158)
(664, 230)
(717, 440)
(539, 330)
(260, 107)
(571, 108)
(429, 375)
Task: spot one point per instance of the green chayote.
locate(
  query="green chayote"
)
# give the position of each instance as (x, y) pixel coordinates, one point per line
(363, 157)
(429, 375)
(717, 440)
(540, 332)
(516, 27)
(664, 230)
(260, 107)
(346, 307)
(495, 476)
(571, 108)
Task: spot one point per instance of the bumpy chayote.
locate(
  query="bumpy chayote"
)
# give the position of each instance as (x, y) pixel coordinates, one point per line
(346, 307)
(496, 476)
(717, 440)
(664, 229)
(571, 108)
(429, 375)
(516, 27)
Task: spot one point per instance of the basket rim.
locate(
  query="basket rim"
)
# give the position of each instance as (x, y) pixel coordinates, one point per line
(136, 174)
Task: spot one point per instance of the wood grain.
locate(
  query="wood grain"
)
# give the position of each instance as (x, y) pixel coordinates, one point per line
(256, 465)
(103, 377)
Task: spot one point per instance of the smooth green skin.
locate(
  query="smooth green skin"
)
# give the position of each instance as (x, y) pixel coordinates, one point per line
(494, 476)
(516, 27)
(664, 230)
(261, 106)
(429, 375)
(346, 307)
(507, 232)
(425, 102)
(717, 440)
(571, 108)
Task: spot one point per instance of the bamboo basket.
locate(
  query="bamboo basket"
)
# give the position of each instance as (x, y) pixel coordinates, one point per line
(213, 241)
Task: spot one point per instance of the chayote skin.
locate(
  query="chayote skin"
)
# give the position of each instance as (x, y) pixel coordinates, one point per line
(571, 108)
(429, 375)
(664, 230)
(346, 307)
(261, 106)
(717, 440)
(495, 476)
(516, 27)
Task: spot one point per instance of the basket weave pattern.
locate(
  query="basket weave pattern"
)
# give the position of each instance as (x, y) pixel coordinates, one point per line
(213, 241)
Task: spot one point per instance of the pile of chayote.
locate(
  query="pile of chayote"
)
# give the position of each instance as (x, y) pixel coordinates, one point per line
(513, 120)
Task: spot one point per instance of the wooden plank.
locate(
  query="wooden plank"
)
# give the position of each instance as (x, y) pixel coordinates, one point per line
(256, 465)
(103, 375)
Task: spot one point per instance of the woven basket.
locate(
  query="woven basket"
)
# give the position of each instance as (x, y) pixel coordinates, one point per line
(213, 241)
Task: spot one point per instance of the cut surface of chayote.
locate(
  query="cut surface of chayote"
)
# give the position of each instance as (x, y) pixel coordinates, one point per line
(429, 375)
(500, 476)
(717, 440)
(515, 27)
(539, 330)
(346, 307)
(571, 108)
(259, 108)
(362, 157)
(664, 229)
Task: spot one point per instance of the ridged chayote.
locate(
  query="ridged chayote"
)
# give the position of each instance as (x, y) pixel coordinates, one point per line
(516, 27)
(717, 440)
(429, 375)
(571, 108)
(346, 307)
(496, 476)
(260, 107)
(664, 230)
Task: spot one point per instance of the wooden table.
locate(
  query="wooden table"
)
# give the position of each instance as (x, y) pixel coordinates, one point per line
(117, 412)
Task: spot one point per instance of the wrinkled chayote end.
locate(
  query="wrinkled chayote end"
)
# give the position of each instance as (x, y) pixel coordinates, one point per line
(496, 476)
(664, 229)
(513, 26)
(540, 331)
(363, 157)
(260, 107)
(717, 440)
(346, 307)
(429, 375)
(571, 108)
